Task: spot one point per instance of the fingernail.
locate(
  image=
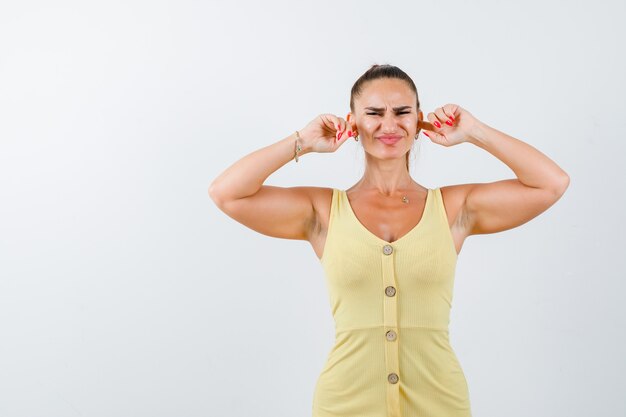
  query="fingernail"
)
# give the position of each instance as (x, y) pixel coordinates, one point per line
(350, 134)
(448, 122)
(436, 123)
(426, 134)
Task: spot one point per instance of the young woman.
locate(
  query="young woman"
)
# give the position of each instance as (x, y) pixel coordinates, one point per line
(389, 245)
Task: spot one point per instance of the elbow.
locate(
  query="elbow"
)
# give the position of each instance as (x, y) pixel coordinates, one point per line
(564, 181)
(561, 185)
(214, 194)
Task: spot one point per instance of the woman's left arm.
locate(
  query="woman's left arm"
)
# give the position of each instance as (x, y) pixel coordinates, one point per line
(500, 205)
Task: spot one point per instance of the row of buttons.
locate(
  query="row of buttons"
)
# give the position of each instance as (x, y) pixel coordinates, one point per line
(391, 335)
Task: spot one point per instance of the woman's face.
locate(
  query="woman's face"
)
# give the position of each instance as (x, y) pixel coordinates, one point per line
(386, 118)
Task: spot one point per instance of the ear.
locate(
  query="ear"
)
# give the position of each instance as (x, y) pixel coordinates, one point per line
(350, 120)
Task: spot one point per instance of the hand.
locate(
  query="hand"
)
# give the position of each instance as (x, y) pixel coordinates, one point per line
(460, 130)
(325, 133)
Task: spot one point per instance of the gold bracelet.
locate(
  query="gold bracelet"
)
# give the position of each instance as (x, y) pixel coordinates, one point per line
(298, 147)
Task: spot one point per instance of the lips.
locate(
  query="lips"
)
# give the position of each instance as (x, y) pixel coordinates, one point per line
(389, 139)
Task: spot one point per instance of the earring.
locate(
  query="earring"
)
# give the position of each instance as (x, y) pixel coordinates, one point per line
(356, 138)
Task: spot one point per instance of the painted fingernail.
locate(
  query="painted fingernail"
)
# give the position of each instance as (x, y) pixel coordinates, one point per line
(426, 133)
(436, 123)
(350, 134)
(448, 122)
(452, 117)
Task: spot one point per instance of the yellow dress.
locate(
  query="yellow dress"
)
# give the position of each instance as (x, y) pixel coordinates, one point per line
(391, 305)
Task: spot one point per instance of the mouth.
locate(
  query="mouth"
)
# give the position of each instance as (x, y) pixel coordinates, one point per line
(389, 139)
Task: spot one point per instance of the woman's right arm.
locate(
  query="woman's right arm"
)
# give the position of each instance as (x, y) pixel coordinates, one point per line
(276, 211)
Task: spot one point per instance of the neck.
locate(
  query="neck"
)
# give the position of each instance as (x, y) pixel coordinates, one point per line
(387, 183)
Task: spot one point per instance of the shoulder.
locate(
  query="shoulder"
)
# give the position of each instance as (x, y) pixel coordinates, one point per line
(321, 198)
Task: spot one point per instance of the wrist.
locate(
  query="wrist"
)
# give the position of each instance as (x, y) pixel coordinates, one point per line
(305, 147)
(298, 146)
(478, 134)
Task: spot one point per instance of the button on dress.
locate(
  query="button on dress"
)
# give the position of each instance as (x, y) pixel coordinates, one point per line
(391, 305)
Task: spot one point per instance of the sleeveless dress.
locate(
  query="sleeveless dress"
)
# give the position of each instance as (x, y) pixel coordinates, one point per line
(391, 306)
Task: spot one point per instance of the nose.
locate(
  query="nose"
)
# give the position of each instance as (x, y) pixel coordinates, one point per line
(389, 123)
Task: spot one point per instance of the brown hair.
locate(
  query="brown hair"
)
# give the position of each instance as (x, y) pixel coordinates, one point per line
(383, 71)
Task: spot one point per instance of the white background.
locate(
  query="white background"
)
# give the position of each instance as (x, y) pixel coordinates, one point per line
(124, 290)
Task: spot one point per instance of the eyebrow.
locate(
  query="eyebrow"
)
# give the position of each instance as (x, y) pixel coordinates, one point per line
(382, 108)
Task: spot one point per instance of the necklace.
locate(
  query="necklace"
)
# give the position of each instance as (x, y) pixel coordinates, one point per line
(405, 199)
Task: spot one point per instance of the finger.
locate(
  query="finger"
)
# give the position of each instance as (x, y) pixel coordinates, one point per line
(450, 111)
(434, 120)
(444, 114)
(441, 116)
(432, 135)
(423, 124)
(331, 120)
(345, 129)
(344, 137)
(336, 123)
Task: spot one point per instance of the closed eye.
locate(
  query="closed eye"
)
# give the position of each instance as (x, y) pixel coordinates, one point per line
(402, 112)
